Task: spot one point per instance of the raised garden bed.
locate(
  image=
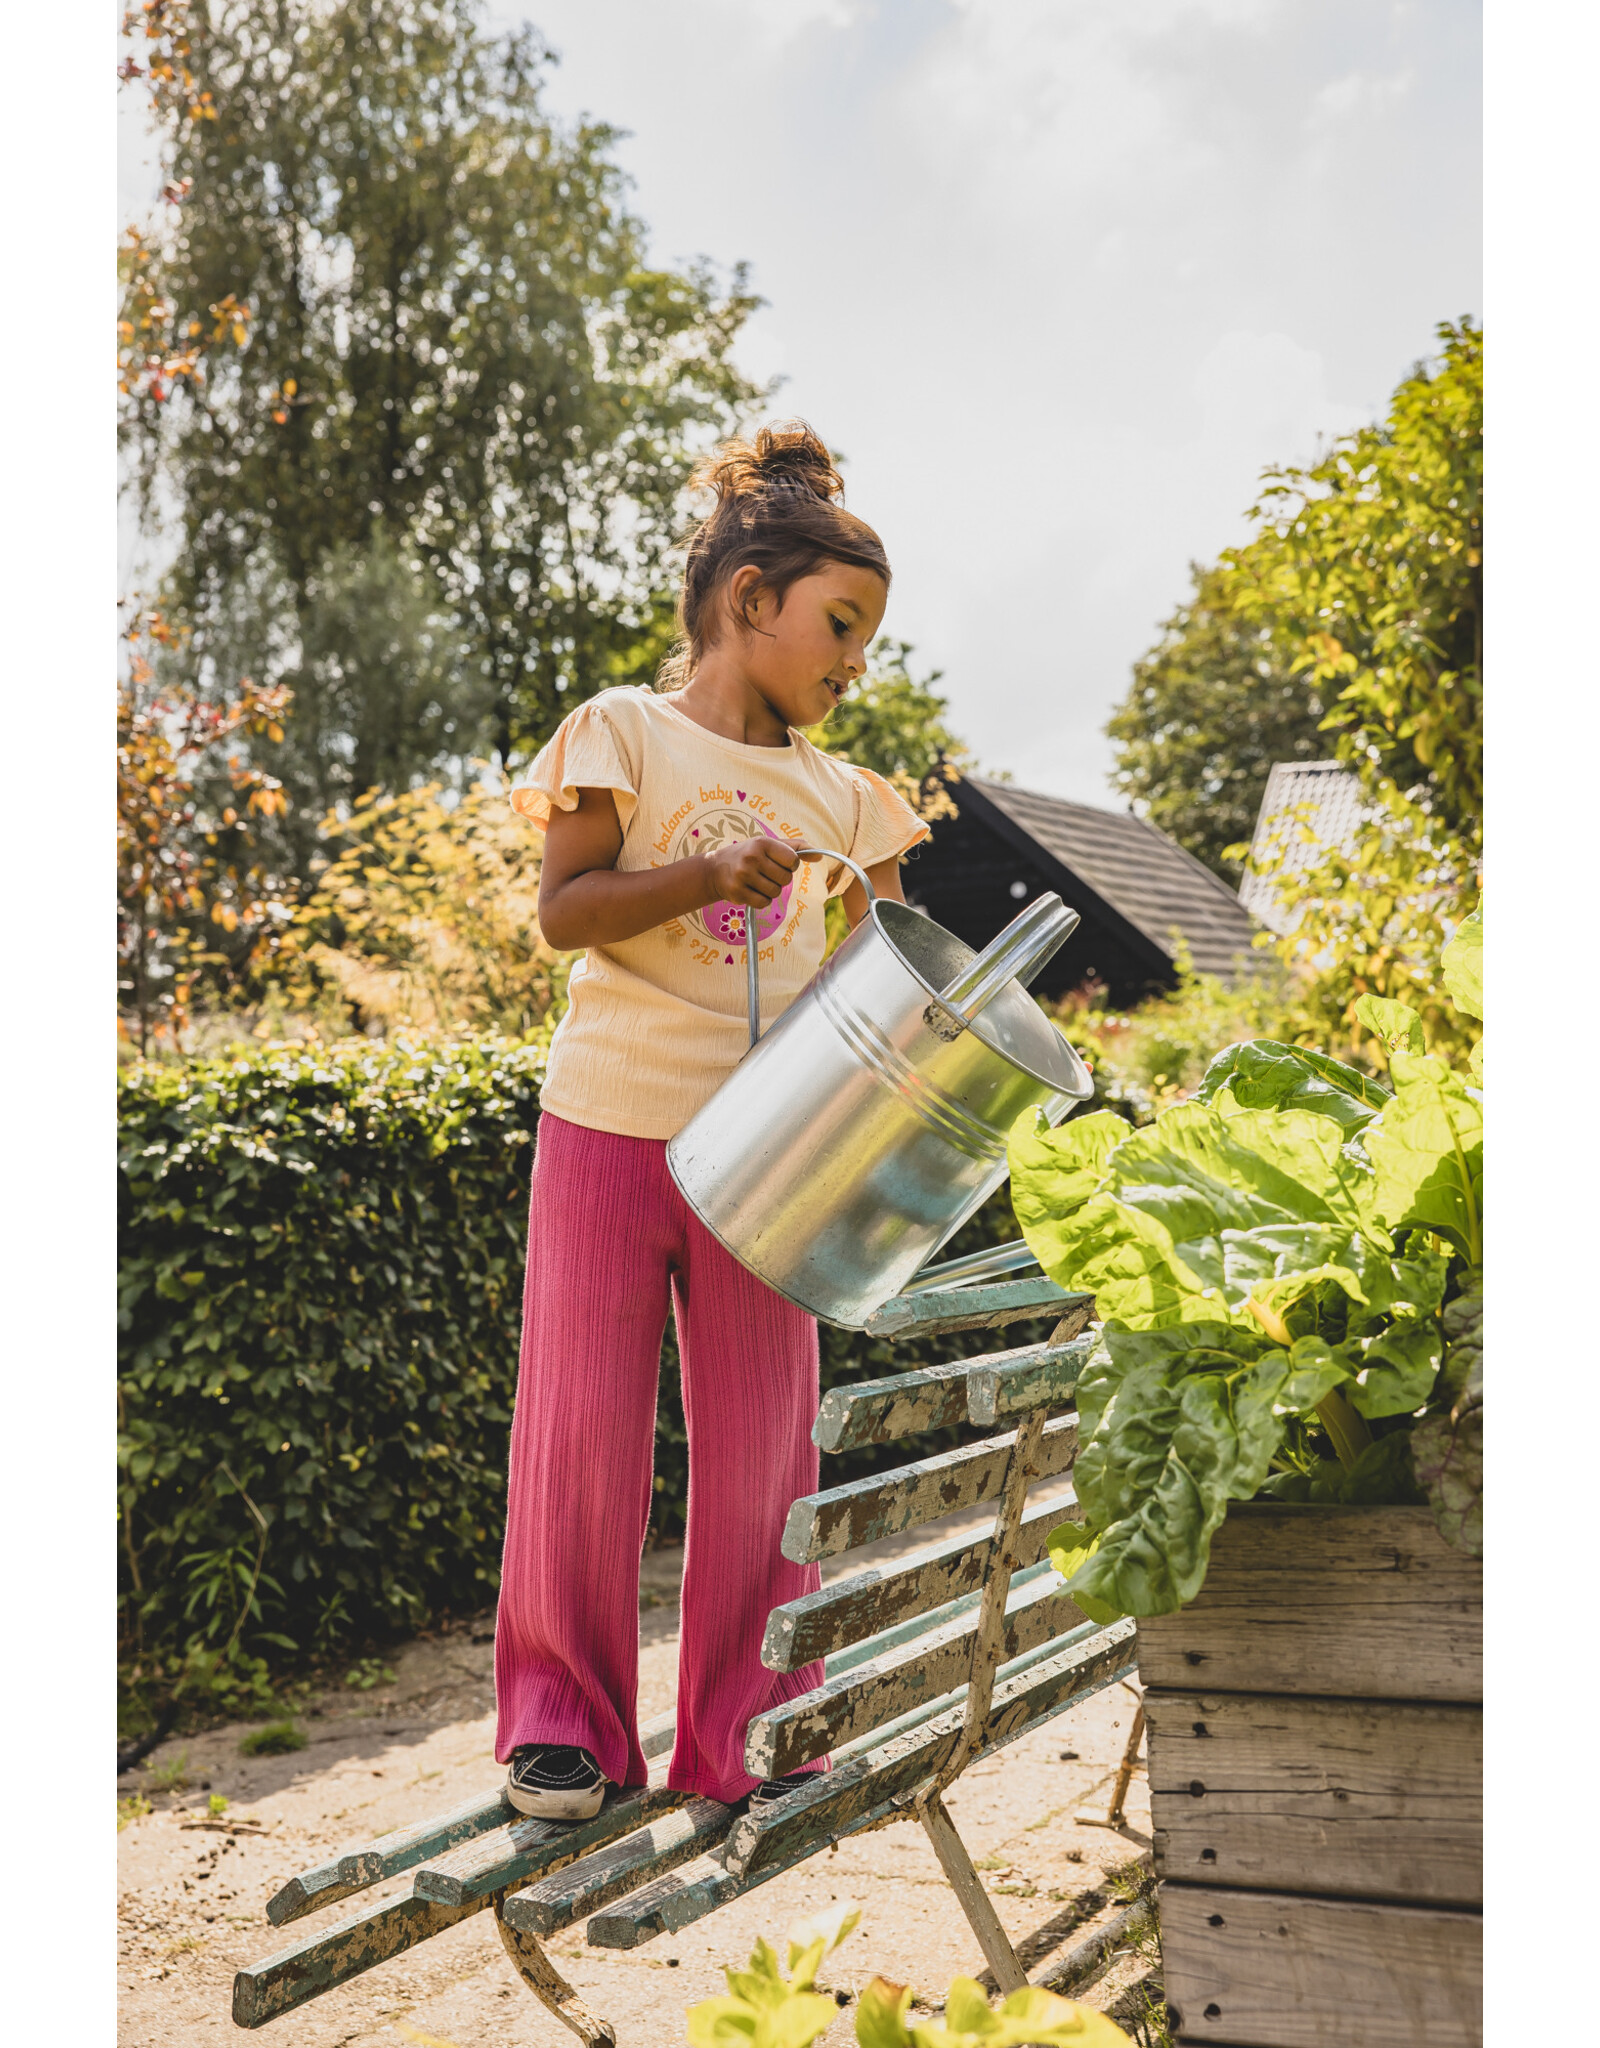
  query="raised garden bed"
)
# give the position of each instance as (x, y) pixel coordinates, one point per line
(1315, 1731)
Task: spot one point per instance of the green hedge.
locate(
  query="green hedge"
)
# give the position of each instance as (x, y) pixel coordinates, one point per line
(321, 1265)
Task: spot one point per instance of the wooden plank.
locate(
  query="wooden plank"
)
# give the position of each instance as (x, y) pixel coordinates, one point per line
(611, 1873)
(815, 1623)
(528, 1849)
(551, 1989)
(907, 1403)
(859, 1791)
(680, 1899)
(846, 1517)
(1267, 1970)
(355, 1869)
(870, 1783)
(975, 1902)
(1373, 1799)
(382, 1928)
(946, 1309)
(1364, 1603)
(866, 1697)
(1046, 1376)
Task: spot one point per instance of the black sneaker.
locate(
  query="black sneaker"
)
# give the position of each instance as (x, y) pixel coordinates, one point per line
(770, 1790)
(554, 1781)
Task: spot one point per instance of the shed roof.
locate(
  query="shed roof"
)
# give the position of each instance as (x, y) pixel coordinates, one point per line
(1324, 797)
(1142, 875)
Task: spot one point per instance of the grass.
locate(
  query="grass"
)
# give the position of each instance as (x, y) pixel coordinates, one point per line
(369, 1672)
(278, 1738)
(173, 1776)
(131, 1809)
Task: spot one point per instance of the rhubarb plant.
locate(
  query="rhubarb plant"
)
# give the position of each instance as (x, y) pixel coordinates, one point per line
(1288, 1272)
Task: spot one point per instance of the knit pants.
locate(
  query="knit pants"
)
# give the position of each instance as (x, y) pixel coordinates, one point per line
(608, 1237)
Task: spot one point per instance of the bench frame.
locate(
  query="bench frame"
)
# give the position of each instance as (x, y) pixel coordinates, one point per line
(625, 1869)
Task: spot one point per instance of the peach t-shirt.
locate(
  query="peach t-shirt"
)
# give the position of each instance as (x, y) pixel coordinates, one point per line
(656, 1023)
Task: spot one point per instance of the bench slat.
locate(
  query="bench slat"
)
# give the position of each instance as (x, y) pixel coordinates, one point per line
(611, 1873)
(846, 1517)
(1002, 1386)
(947, 1309)
(906, 1403)
(856, 1791)
(528, 1849)
(381, 1929)
(816, 1623)
(846, 1708)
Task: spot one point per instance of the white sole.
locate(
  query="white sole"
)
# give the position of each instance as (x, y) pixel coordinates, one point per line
(556, 1805)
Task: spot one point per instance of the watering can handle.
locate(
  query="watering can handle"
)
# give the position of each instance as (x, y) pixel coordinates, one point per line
(752, 933)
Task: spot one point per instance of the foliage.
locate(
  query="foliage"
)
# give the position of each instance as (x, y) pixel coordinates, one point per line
(1213, 706)
(1149, 1057)
(1372, 919)
(765, 2009)
(278, 1738)
(428, 916)
(321, 1269)
(459, 368)
(194, 900)
(133, 1808)
(1371, 561)
(1271, 1260)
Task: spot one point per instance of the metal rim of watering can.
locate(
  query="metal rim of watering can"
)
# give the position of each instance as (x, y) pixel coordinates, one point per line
(752, 933)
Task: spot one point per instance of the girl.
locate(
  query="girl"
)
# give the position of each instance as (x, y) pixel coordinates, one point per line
(669, 819)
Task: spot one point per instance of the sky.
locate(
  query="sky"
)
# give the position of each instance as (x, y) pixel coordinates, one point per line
(1058, 277)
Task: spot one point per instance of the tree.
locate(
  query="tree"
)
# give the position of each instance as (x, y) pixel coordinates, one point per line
(428, 915)
(193, 896)
(461, 377)
(1369, 566)
(1213, 705)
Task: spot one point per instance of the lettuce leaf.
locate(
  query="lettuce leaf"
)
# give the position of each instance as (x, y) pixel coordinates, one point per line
(1212, 1206)
(1427, 1152)
(1261, 1073)
(1054, 1172)
(1396, 1025)
(1178, 1422)
(1462, 961)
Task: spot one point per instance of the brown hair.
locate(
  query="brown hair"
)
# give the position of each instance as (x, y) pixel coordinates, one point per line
(779, 506)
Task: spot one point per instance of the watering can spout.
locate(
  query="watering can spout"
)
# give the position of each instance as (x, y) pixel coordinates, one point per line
(1026, 945)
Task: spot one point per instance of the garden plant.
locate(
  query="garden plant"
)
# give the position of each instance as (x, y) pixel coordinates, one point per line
(766, 2009)
(1289, 1268)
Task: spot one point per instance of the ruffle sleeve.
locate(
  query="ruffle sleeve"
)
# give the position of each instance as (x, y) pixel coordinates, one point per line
(585, 752)
(885, 826)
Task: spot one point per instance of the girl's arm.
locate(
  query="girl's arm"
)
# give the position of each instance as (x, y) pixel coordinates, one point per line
(584, 901)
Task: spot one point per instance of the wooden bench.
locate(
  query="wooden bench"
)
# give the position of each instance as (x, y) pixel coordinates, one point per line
(931, 1662)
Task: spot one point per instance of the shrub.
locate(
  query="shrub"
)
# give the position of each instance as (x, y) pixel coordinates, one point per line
(322, 1258)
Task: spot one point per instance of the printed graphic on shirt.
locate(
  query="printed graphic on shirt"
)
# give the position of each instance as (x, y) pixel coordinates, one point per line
(709, 828)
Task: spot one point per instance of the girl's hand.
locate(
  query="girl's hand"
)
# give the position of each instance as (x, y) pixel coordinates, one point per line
(753, 872)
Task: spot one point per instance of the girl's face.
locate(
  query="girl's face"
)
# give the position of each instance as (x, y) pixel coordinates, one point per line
(804, 654)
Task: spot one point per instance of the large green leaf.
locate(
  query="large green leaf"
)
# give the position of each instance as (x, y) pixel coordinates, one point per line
(1397, 1025)
(1462, 961)
(1178, 1422)
(1211, 1206)
(1427, 1152)
(1398, 1369)
(1261, 1073)
(1054, 1172)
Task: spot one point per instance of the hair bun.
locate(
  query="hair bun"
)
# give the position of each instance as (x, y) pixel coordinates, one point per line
(789, 456)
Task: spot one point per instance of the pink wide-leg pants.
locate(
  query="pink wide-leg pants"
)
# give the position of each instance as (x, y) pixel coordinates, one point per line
(609, 1237)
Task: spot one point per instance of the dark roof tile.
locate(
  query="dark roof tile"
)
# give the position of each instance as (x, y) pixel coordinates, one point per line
(1139, 871)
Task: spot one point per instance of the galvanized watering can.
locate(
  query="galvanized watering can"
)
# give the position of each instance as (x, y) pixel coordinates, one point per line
(870, 1122)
